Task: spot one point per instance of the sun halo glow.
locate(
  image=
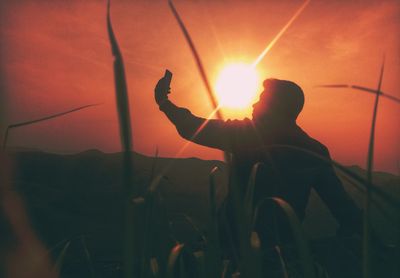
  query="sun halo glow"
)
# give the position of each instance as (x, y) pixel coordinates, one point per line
(236, 86)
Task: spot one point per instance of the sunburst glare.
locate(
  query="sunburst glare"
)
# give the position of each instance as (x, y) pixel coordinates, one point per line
(236, 85)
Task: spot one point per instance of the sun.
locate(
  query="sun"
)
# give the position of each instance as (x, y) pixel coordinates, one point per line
(236, 85)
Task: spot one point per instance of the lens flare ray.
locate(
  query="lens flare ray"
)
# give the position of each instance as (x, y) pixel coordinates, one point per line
(281, 32)
(181, 150)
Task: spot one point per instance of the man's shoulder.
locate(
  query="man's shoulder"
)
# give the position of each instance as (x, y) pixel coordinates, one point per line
(315, 145)
(243, 124)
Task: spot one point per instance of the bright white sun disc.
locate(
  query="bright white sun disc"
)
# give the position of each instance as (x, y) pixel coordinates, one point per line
(237, 85)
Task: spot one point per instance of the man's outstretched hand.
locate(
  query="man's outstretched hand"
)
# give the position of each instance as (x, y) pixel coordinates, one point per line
(161, 91)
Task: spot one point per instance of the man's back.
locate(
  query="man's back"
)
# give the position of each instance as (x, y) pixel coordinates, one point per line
(291, 162)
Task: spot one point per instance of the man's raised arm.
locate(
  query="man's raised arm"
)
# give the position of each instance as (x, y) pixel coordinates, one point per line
(211, 133)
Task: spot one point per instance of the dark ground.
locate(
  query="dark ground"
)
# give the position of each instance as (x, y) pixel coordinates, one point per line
(79, 198)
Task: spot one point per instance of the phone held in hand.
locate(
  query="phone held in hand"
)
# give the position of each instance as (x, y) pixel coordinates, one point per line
(168, 77)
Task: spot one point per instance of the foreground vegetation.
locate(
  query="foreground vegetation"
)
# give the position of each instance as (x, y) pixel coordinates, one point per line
(150, 247)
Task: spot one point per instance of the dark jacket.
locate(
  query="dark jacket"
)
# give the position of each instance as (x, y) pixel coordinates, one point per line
(294, 163)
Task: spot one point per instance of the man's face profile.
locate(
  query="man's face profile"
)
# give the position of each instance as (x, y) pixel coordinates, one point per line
(280, 100)
(266, 106)
(262, 107)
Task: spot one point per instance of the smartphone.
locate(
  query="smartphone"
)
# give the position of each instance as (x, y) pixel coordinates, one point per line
(168, 77)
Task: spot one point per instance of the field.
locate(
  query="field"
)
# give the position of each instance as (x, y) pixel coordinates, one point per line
(78, 198)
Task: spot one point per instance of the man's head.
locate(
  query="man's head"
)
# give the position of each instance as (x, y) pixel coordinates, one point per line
(280, 100)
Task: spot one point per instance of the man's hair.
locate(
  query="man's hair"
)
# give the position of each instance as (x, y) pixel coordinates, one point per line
(287, 96)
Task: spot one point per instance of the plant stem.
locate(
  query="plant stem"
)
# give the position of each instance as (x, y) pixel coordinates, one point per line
(367, 211)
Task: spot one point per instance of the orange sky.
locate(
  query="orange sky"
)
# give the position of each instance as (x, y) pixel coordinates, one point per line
(55, 55)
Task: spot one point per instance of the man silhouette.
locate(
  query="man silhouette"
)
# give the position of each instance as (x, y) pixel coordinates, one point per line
(272, 137)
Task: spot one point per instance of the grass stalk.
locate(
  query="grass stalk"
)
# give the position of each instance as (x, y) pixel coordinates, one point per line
(173, 259)
(367, 211)
(361, 88)
(88, 257)
(282, 262)
(213, 254)
(61, 257)
(150, 210)
(153, 166)
(249, 197)
(193, 225)
(298, 234)
(46, 118)
(156, 220)
(121, 94)
(248, 261)
(150, 202)
(378, 93)
(376, 204)
(183, 263)
(197, 59)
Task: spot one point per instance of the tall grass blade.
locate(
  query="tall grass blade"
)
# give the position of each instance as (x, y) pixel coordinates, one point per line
(155, 243)
(298, 234)
(150, 202)
(182, 263)
(173, 259)
(193, 225)
(360, 88)
(30, 122)
(61, 257)
(365, 89)
(149, 263)
(5, 138)
(249, 197)
(121, 90)
(282, 262)
(213, 255)
(121, 94)
(248, 261)
(249, 210)
(153, 166)
(250, 242)
(197, 59)
(154, 185)
(366, 261)
(213, 197)
(88, 257)
(378, 205)
(154, 267)
(369, 187)
(200, 262)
